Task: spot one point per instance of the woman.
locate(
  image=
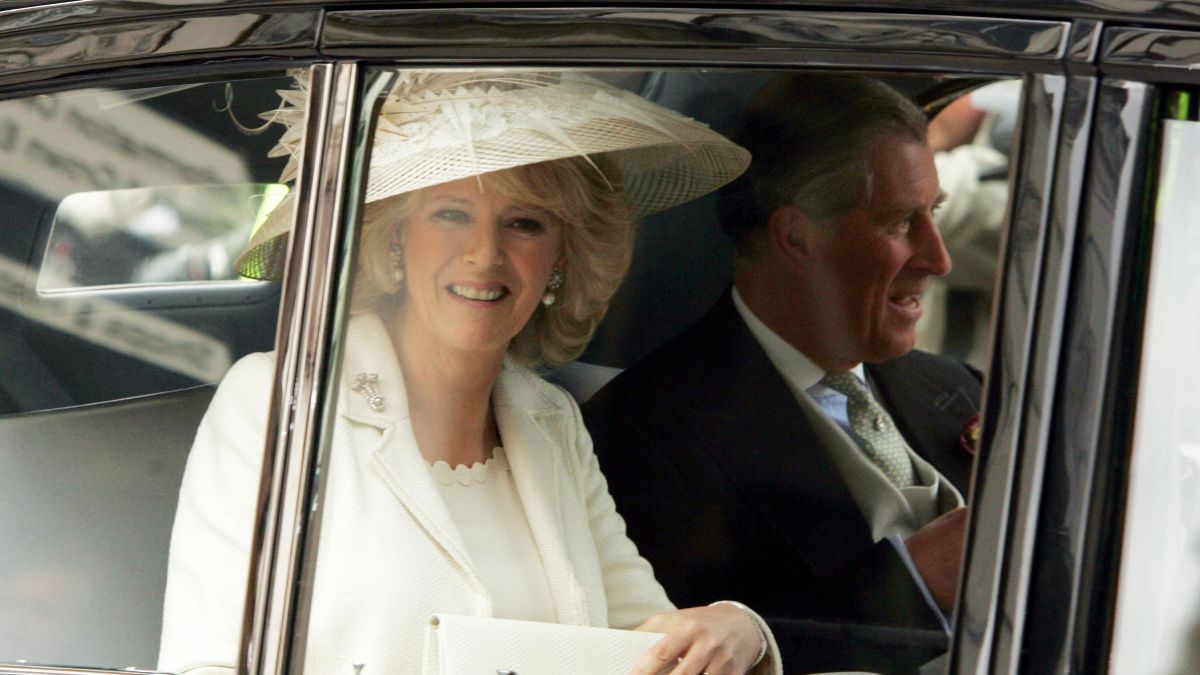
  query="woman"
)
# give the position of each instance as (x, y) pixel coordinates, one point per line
(499, 223)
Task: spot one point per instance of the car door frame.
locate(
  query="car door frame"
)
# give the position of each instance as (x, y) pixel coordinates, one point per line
(865, 41)
(1056, 58)
(1088, 421)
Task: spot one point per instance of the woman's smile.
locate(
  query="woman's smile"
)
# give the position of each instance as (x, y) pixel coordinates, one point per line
(489, 293)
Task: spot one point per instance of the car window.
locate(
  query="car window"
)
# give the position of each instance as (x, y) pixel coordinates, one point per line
(121, 212)
(716, 515)
(1156, 623)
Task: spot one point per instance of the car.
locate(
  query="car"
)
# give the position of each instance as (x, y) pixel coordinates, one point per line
(136, 159)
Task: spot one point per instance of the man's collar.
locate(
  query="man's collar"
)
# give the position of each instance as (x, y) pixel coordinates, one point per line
(800, 372)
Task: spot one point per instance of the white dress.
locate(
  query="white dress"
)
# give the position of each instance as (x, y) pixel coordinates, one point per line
(486, 508)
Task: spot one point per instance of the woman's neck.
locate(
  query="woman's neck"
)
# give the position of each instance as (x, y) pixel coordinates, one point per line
(449, 397)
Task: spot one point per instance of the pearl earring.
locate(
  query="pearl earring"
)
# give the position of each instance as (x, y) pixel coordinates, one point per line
(553, 284)
(396, 253)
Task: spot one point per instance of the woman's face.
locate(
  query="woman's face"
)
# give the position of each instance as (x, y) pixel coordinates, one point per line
(476, 265)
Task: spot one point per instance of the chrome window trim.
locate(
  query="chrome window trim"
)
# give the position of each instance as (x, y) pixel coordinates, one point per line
(82, 46)
(980, 626)
(352, 179)
(157, 295)
(1151, 55)
(1041, 385)
(1155, 48)
(1025, 260)
(51, 16)
(611, 31)
(24, 669)
(1069, 624)
(1084, 40)
(1011, 614)
(301, 374)
(143, 287)
(1157, 12)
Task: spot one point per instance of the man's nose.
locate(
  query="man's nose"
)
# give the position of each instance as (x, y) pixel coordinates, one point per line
(932, 251)
(483, 249)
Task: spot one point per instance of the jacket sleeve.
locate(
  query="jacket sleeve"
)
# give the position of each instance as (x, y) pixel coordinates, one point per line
(208, 563)
(632, 592)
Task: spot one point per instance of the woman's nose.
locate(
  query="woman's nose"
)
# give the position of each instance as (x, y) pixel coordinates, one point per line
(483, 249)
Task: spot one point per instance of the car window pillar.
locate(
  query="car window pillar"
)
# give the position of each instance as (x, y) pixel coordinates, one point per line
(303, 343)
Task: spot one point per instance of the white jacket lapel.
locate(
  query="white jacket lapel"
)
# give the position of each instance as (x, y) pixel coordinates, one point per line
(386, 435)
(530, 429)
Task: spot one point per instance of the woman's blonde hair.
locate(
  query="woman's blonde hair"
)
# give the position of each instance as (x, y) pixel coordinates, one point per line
(598, 228)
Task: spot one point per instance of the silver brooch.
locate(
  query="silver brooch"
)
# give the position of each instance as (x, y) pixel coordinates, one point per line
(367, 384)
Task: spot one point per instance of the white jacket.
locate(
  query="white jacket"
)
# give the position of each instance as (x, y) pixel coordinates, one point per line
(390, 555)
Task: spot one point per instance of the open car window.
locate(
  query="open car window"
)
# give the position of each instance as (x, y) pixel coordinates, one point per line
(682, 266)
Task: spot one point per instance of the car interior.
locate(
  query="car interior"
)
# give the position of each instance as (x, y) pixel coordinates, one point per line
(96, 412)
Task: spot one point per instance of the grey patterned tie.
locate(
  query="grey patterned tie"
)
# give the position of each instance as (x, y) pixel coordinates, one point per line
(881, 441)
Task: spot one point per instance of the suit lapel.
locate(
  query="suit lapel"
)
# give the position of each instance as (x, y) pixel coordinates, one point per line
(766, 447)
(930, 414)
(531, 429)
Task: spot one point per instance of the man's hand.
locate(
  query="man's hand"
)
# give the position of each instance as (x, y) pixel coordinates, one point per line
(937, 551)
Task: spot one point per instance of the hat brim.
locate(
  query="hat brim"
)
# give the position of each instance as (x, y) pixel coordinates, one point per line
(664, 158)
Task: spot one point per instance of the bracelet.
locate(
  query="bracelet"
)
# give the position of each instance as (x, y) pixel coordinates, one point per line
(762, 636)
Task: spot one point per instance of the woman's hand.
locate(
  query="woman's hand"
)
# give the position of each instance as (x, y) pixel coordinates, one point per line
(715, 640)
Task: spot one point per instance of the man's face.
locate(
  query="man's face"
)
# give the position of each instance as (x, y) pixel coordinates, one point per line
(868, 272)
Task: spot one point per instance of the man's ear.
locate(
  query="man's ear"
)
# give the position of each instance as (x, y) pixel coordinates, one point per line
(790, 231)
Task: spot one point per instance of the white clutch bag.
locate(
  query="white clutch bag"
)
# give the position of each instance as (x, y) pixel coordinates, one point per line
(471, 645)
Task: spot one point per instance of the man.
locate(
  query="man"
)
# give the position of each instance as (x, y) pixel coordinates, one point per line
(749, 457)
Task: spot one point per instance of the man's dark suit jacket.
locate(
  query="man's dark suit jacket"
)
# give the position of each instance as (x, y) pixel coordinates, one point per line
(727, 492)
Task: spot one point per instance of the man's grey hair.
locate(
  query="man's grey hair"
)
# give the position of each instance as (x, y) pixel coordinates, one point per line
(811, 136)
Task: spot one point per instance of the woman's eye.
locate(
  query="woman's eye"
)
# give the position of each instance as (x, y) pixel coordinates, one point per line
(452, 215)
(529, 225)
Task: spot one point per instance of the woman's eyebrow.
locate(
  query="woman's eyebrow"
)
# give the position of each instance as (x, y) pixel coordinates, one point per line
(451, 199)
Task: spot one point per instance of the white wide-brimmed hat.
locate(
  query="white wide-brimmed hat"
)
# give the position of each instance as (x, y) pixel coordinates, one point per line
(439, 126)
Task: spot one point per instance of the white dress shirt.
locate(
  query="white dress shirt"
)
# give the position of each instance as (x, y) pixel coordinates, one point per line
(486, 508)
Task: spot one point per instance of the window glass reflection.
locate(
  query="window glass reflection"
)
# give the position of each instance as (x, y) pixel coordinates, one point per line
(1156, 623)
(789, 456)
(460, 484)
(104, 195)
